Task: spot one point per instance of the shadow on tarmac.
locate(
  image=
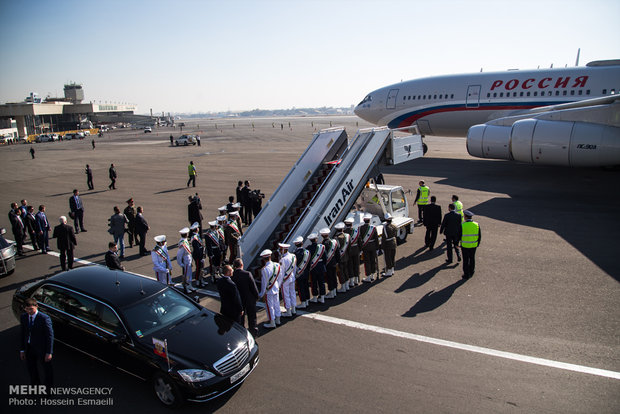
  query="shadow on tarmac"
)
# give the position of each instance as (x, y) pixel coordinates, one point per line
(578, 204)
(432, 300)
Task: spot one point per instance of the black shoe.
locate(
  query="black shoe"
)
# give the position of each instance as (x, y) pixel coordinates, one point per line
(121, 256)
(84, 230)
(448, 260)
(458, 258)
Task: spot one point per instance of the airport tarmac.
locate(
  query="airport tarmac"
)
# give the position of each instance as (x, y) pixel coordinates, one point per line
(537, 329)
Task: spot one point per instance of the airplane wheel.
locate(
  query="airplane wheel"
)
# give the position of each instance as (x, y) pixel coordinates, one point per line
(424, 148)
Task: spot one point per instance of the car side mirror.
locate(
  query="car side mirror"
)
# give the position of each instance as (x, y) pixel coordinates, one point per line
(119, 339)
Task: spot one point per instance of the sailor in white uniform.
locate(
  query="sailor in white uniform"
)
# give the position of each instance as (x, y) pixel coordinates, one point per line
(161, 260)
(270, 288)
(288, 264)
(184, 259)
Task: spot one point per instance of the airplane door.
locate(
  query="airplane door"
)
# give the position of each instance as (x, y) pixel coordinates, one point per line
(391, 99)
(473, 96)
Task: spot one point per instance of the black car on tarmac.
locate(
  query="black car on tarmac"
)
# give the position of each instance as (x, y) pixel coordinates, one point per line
(147, 329)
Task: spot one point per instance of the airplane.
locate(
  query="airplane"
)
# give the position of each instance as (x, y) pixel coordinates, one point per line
(556, 116)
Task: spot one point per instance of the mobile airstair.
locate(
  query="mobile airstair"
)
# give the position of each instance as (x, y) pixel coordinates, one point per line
(322, 187)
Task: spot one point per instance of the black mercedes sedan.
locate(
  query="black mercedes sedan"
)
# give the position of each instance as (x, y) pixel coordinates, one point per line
(146, 329)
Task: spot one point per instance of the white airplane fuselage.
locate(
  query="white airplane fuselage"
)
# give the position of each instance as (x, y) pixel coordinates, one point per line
(449, 105)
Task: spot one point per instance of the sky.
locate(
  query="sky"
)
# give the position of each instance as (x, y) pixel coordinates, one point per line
(189, 56)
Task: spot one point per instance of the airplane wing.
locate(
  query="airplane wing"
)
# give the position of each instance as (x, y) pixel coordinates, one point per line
(583, 133)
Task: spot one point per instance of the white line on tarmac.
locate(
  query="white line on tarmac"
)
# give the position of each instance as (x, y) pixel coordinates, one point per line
(420, 338)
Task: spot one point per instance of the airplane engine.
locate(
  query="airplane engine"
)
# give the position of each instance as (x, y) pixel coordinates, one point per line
(536, 141)
(575, 144)
(489, 141)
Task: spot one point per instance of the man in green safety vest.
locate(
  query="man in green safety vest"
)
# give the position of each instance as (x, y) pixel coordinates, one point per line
(458, 206)
(421, 199)
(470, 240)
(191, 171)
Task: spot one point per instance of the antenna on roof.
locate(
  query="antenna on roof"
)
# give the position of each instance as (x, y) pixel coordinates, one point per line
(117, 282)
(577, 61)
(142, 292)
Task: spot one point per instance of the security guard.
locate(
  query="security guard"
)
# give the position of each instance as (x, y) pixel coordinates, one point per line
(354, 252)
(389, 244)
(470, 240)
(302, 272)
(369, 244)
(288, 263)
(421, 198)
(161, 260)
(317, 269)
(458, 206)
(344, 242)
(270, 288)
(198, 251)
(184, 259)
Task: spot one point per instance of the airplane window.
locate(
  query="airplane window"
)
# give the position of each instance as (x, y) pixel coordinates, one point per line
(557, 93)
(495, 94)
(564, 93)
(528, 94)
(501, 94)
(434, 96)
(588, 92)
(580, 92)
(424, 97)
(613, 91)
(419, 96)
(514, 95)
(488, 94)
(521, 94)
(452, 96)
(440, 96)
(572, 92)
(604, 91)
(535, 93)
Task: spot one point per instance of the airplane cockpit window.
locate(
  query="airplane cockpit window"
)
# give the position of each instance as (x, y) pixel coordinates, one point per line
(366, 99)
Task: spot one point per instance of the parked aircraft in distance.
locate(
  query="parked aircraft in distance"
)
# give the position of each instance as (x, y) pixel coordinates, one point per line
(562, 116)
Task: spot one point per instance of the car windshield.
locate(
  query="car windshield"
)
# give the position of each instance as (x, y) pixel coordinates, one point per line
(158, 312)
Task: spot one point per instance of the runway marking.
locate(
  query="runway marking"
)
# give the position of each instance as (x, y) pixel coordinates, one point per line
(464, 347)
(419, 338)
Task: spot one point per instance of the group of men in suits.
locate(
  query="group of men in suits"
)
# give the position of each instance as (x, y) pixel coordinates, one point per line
(24, 222)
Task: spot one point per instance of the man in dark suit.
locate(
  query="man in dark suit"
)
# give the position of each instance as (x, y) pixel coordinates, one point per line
(37, 341)
(43, 229)
(31, 225)
(432, 221)
(193, 212)
(18, 227)
(111, 257)
(142, 228)
(249, 294)
(77, 209)
(452, 229)
(231, 306)
(65, 240)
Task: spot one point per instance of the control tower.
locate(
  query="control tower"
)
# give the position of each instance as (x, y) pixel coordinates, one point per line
(74, 93)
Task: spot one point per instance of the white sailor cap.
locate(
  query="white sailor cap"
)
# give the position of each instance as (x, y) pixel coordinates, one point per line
(313, 236)
(237, 205)
(339, 226)
(283, 245)
(184, 230)
(298, 240)
(349, 220)
(324, 231)
(213, 223)
(223, 208)
(195, 226)
(160, 238)
(266, 253)
(367, 216)
(233, 213)
(468, 213)
(388, 216)
(221, 218)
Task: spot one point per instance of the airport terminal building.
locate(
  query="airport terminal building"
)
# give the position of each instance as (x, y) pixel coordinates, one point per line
(35, 115)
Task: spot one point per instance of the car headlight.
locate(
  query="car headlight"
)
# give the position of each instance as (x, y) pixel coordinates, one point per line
(195, 375)
(8, 252)
(251, 341)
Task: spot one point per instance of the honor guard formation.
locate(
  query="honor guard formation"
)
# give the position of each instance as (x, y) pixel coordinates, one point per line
(314, 268)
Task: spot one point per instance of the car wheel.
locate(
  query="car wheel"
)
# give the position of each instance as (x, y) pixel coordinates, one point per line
(401, 236)
(166, 390)
(177, 143)
(185, 144)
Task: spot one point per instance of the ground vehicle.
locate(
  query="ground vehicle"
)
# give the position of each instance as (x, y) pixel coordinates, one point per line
(7, 255)
(186, 140)
(384, 199)
(69, 136)
(148, 129)
(119, 318)
(47, 138)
